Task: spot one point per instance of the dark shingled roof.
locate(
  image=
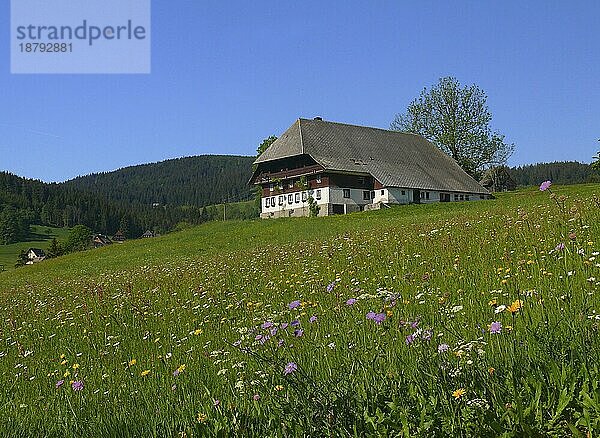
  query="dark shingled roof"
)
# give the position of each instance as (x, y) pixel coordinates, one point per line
(395, 159)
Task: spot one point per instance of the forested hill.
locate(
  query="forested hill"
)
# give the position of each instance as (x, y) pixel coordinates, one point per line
(156, 196)
(196, 181)
(559, 172)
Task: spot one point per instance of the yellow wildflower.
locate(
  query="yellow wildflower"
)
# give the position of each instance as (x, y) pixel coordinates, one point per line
(145, 373)
(515, 306)
(279, 388)
(491, 370)
(202, 417)
(198, 332)
(459, 393)
(75, 366)
(64, 362)
(132, 362)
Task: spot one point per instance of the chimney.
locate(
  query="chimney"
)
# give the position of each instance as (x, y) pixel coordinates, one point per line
(318, 118)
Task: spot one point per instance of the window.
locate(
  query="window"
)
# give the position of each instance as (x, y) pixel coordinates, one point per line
(273, 201)
(291, 184)
(361, 180)
(366, 195)
(271, 187)
(403, 192)
(290, 198)
(481, 197)
(267, 202)
(297, 197)
(382, 192)
(319, 194)
(281, 200)
(467, 197)
(373, 194)
(319, 179)
(462, 197)
(422, 195)
(426, 195)
(304, 196)
(456, 197)
(346, 193)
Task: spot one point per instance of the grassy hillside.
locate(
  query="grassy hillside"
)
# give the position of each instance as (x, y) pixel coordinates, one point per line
(40, 237)
(461, 319)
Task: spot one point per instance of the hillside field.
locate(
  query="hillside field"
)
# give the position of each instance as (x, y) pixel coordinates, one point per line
(40, 237)
(455, 319)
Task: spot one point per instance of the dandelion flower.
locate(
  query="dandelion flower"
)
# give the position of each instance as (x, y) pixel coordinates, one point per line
(515, 306)
(459, 393)
(201, 417)
(145, 373)
(132, 362)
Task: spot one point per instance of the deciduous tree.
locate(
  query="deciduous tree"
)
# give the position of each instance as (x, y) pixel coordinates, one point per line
(457, 120)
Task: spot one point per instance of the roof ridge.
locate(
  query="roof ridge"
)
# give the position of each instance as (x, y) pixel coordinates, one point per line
(360, 126)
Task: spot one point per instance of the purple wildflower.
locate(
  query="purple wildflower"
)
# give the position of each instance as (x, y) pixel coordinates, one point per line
(256, 397)
(284, 325)
(312, 319)
(559, 247)
(267, 325)
(330, 286)
(495, 327)
(59, 383)
(237, 343)
(216, 403)
(258, 337)
(545, 185)
(414, 324)
(264, 340)
(410, 339)
(294, 304)
(379, 318)
(442, 348)
(280, 343)
(290, 368)
(176, 372)
(295, 323)
(77, 385)
(371, 315)
(351, 301)
(298, 332)
(273, 331)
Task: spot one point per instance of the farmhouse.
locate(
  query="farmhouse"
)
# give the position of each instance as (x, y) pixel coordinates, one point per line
(35, 255)
(347, 168)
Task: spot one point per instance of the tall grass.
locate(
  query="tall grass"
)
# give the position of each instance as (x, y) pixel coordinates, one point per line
(470, 319)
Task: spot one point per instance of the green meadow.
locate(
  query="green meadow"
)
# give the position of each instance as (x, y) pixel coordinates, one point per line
(457, 319)
(40, 237)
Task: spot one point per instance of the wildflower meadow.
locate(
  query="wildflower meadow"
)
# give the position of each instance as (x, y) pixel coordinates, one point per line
(456, 319)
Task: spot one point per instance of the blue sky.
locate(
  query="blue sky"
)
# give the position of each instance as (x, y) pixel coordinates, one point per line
(225, 75)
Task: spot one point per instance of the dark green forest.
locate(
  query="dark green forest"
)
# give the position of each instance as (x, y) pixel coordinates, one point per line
(197, 181)
(157, 197)
(559, 172)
